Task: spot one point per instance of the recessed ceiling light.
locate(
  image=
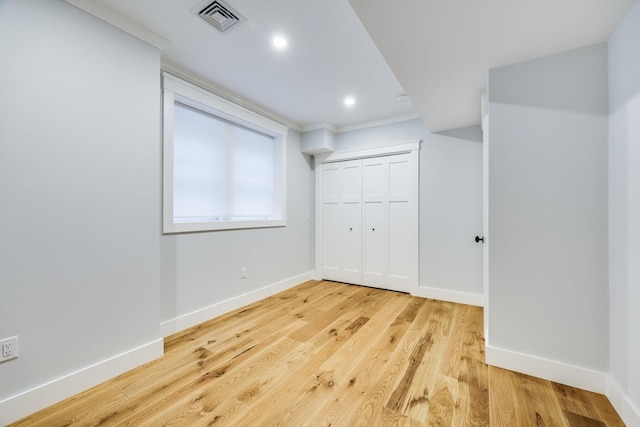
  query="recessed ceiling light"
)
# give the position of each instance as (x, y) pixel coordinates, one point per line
(349, 101)
(279, 42)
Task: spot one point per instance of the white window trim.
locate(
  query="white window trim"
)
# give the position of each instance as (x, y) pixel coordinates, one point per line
(175, 89)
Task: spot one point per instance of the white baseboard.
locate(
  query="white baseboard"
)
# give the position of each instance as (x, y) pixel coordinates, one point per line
(180, 323)
(451, 296)
(551, 370)
(30, 401)
(629, 412)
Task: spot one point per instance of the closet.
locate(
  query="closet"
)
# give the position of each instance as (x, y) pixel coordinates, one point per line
(368, 221)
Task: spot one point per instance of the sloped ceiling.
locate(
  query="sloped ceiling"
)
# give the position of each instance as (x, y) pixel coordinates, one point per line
(441, 50)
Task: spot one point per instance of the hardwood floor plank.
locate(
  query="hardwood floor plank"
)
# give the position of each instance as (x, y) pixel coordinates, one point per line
(538, 402)
(377, 381)
(338, 365)
(473, 393)
(576, 420)
(366, 368)
(318, 323)
(290, 300)
(398, 398)
(429, 372)
(330, 354)
(78, 409)
(442, 403)
(217, 384)
(577, 403)
(570, 399)
(601, 409)
(502, 398)
(333, 339)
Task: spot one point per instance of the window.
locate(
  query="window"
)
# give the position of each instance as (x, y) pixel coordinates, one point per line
(223, 166)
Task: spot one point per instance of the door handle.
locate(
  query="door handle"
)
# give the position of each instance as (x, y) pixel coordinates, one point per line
(479, 239)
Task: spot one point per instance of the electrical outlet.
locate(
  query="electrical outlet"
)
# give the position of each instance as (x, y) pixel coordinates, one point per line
(243, 272)
(8, 349)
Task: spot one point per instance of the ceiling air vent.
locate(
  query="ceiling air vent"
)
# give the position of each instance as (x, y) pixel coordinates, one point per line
(219, 14)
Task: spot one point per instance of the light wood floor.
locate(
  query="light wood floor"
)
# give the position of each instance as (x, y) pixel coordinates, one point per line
(329, 354)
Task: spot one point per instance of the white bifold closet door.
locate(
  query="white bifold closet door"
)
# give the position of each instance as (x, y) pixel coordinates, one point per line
(366, 222)
(342, 221)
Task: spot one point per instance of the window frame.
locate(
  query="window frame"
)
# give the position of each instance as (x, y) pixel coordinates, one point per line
(177, 90)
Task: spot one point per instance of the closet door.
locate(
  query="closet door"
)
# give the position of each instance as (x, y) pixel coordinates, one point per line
(331, 219)
(341, 221)
(351, 222)
(369, 221)
(374, 199)
(399, 205)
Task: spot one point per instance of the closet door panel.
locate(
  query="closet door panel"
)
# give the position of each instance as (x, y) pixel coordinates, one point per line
(374, 245)
(331, 219)
(331, 247)
(351, 230)
(399, 178)
(374, 184)
(331, 177)
(374, 188)
(351, 181)
(352, 242)
(399, 245)
(342, 221)
(399, 214)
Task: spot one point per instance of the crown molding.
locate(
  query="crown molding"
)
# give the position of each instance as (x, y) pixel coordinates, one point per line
(317, 126)
(365, 125)
(381, 122)
(100, 11)
(204, 83)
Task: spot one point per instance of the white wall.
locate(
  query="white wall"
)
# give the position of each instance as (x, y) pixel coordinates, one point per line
(83, 264)
(450, 206)
(200, 273)
(548, 275)
(79, 194)
(624, 216)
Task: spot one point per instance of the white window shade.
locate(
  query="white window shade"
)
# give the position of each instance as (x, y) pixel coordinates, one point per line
(221, 168)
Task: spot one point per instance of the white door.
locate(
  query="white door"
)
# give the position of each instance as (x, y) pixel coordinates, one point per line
(387, 240)
(351, 222)
(369, 221)
(331, 222)
(485, 213)
(374, 253)
(342, 218)
(399, 243)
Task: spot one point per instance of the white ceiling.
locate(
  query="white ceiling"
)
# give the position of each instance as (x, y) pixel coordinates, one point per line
(440, 50)
(329, 56)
